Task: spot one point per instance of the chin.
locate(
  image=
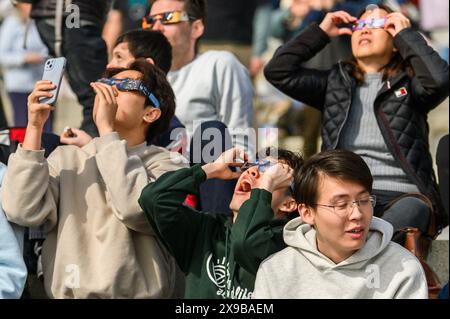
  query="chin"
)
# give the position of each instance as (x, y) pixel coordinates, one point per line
(237, 201)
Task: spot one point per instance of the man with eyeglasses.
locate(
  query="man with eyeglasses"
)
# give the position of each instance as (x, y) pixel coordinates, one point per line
(337, 248)
(220, 254)
(212, 86)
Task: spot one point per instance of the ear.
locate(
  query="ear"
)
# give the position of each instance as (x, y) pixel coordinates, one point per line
(287, 207)
(151, 114)
(150, 60)
(197, 29)
(306, 214)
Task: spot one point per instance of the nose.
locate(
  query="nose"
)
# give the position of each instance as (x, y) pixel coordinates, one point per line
(253, 171)
(365, 30)
(158, 26)
(355, 212)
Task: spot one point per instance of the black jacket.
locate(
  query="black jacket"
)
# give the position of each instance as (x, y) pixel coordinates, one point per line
(90, 10)
(402, 118)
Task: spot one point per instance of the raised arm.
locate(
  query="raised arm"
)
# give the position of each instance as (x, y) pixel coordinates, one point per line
(429, 85)
(257, 233)
(127, 174)
(30, 190)
(285, 70)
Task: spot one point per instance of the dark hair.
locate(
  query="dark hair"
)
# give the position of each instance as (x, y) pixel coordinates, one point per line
(340, 164)
(294, 160)
(155, 80)
(196, 9)
(149, 44)
(395, 65)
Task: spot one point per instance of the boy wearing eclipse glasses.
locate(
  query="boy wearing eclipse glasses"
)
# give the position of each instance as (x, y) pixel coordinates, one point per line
(99, 243)
(220, 254)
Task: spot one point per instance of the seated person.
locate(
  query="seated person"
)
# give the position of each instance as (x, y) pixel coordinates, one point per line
(375, 105)
(336, 248)
(13, 271)
(155, 49)
(220, 254)
(99, 243)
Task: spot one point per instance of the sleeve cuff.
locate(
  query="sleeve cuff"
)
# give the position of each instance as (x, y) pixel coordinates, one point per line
(103, 141)
(198, 173)
(35, 156)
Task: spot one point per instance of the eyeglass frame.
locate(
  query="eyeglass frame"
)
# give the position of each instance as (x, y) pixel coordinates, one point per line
(184, 17)
(372, 199)
(136, 86)
(354, 26)
(265, 164)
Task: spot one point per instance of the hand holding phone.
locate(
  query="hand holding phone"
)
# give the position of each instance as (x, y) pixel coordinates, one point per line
(53, 71)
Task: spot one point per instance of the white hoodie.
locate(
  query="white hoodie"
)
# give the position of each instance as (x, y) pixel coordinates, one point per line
(380, 269)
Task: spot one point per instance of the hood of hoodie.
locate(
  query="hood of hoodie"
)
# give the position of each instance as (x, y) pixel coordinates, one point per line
(302, 236)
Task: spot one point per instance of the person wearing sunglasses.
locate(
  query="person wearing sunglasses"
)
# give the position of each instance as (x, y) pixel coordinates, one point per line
(210, 87)
(220, 254)
(376, 105)
(155, 49)
(87, 198)
(336, 248)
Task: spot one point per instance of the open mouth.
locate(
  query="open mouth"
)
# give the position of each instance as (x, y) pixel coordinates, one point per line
(244, 187)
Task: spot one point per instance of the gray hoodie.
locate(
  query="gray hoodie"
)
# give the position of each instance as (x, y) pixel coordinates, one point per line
(380, 269)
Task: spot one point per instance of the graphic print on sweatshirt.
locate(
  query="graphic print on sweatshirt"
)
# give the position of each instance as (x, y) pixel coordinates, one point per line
(219, 274)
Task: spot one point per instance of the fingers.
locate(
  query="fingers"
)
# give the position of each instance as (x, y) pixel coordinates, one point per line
(78, 131)
(398, 20)
(109, 91)
(37, 94)
(232, 156)
(41, 107)
(345, 31)
(102, 92)
(343, 17)
(80, 137)
(235, 175)
(41, 89)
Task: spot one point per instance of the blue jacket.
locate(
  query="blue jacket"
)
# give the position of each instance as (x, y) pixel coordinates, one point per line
(13, 271)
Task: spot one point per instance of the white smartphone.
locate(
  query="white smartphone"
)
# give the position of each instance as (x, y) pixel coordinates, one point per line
(53, 71)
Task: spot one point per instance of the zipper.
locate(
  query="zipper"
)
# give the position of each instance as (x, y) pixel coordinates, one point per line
(349, 83)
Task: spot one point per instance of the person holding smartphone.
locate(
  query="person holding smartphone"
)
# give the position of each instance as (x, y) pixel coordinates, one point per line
(99, 243)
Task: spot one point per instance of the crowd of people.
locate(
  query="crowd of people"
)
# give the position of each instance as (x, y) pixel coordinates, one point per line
(164, 192)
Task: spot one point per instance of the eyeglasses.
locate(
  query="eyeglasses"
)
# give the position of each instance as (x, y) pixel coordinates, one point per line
(371, 23)
(344, 208)
(172, 17)
(131, 85)
(263, 165)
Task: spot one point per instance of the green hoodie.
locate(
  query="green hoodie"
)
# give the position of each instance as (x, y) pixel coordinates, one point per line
(209, 249)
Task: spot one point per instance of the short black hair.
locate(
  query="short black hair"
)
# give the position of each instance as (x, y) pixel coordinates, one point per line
(148, 44)
(292, 159)
(155, 80)
(340, 164)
